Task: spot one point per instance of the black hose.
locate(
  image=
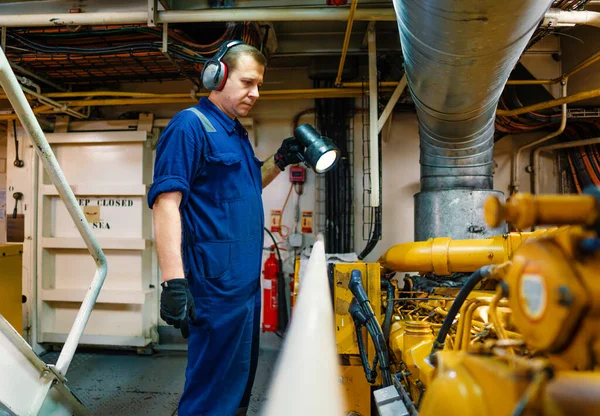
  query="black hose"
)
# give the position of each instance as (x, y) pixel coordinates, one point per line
(375, 236)
(359, 320)
(469, 285)
(274, 244)
(389, 310)
(377, 229)
(372, 325)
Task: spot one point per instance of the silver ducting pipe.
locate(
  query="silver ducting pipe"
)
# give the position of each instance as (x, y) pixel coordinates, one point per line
(458, 55)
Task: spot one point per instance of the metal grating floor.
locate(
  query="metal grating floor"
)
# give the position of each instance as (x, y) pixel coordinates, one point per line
(115, 383)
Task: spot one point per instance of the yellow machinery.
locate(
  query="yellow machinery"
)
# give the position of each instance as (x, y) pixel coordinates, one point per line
(520, 337)
(11, 256)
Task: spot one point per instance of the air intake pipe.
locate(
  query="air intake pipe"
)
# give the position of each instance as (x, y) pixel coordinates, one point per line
(458, 55)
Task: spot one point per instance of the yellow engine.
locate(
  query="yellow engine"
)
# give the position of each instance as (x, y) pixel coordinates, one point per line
(521, 336)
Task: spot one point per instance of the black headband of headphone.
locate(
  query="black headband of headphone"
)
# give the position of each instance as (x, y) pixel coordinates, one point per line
(225, 48)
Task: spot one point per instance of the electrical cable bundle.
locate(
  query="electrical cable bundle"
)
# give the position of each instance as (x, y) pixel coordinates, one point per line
(333, 120)
(363, 315)
(584, 161)
(118, 52)
(524, 122)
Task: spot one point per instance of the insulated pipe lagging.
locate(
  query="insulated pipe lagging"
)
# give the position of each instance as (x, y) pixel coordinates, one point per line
(458, 55)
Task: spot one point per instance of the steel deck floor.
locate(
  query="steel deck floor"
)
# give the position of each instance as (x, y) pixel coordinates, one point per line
(115, 383)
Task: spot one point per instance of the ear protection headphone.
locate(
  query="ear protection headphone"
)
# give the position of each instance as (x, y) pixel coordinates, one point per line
(214, 73)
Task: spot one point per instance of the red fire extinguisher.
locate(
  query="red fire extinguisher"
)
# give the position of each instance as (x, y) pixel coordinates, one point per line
(270, 304)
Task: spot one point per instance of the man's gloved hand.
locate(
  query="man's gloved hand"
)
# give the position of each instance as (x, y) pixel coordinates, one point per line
(177, 304)
(289, 153)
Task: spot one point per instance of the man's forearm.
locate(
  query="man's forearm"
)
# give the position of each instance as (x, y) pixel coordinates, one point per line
(167, 233)
(269, 171)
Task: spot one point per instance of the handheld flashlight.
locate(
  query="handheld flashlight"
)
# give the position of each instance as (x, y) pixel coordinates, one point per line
(320, 153)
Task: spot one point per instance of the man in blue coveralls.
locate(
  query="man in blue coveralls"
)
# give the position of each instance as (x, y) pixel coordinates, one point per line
(208, 221)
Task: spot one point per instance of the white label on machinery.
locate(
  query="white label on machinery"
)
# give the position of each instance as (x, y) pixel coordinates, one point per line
(267, 284)
(533, 295)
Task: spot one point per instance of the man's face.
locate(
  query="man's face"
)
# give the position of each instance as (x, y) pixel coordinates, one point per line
(241, 88)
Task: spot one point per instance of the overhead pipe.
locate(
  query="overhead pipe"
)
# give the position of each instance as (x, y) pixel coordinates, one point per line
(458, 56)
(356, 89)
(516, 157)
(566, 18)
(55, 105)
(275, 14)
(338, 79)
(148, 98)
(580, 96)
(39, 78)
(564, 77)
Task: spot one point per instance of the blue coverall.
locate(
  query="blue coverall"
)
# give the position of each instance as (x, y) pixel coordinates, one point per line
(207, 157)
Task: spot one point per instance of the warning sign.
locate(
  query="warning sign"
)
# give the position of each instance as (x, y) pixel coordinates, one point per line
(275, 221)
(307, 222)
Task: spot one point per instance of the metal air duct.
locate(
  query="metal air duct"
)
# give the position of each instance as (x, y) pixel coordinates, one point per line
(458, 55)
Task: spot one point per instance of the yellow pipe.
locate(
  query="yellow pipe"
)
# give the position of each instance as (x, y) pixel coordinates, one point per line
(338, 79)
(552, 103)
(116, 94)
(345, 88)
(526, 210)
(36, 110)
(145, 98)
(444, 255)
(493, 313)
(384, 84)
(583, 64)
(461, 323)
(266, 95)
(587, 62)
(530, 81)
(460, 329)
(466, 330)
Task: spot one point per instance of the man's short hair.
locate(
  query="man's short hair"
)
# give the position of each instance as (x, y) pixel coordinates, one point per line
(234, 54)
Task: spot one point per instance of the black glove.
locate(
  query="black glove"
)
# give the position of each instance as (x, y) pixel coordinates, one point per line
(177, 305)
(290, 152)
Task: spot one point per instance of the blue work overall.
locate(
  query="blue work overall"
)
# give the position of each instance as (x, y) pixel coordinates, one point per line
(207, 157)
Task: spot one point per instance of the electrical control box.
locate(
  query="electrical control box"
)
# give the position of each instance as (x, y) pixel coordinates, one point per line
(297, 174)
(295, 240)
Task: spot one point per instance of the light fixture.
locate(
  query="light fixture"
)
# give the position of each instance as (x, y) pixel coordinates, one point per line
(320, 153)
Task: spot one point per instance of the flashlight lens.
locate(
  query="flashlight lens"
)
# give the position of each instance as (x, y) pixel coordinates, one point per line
(326, 161)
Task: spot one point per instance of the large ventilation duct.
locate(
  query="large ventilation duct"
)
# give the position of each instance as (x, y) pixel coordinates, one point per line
(458, 55)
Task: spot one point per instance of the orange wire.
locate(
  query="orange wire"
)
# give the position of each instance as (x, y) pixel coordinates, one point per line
(574, 173)
(286, 199)
(588, 167)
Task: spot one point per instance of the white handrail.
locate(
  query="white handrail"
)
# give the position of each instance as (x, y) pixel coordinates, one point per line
(15, 95)
(307, 379)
